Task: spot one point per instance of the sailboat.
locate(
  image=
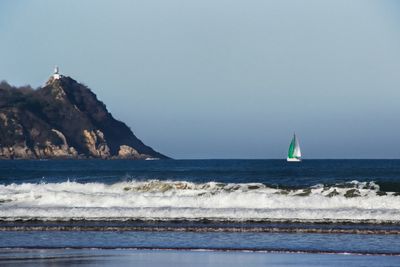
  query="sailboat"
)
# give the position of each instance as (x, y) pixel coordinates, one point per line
(294, 153)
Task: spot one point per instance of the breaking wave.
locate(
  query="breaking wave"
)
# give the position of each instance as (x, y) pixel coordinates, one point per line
(181, 200)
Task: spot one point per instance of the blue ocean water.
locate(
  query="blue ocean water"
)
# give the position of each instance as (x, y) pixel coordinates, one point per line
(270, 242)
(334, 206)
(271, 172)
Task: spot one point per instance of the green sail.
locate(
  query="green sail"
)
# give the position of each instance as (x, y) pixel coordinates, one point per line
(291, 149)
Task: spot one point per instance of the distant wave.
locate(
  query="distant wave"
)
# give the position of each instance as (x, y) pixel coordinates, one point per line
(181, 200)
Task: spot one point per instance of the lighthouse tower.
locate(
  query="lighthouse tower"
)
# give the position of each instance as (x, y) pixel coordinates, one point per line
(56, 74)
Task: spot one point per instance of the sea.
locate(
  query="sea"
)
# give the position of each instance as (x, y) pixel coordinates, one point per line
(236, 212)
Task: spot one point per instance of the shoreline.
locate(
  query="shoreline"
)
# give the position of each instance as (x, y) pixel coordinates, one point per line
(154, 257)
(200, 249)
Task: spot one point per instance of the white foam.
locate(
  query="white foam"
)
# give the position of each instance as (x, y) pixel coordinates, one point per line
(185, 200)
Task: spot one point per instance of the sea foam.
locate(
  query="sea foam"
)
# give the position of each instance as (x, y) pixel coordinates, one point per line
(171, 200)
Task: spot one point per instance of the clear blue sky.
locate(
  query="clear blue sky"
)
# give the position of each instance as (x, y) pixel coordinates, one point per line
(223, 79)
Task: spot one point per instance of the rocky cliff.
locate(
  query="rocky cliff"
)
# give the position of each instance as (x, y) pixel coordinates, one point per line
(63, 119)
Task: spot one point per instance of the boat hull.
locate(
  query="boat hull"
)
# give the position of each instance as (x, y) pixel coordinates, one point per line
(293, 160)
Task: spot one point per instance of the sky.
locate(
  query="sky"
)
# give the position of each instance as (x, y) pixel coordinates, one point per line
(223, 79)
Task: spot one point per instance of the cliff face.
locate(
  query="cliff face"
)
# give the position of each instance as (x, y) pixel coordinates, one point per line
(63, 119)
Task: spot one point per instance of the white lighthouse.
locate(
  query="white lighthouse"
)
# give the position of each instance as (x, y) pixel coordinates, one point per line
(56, 74)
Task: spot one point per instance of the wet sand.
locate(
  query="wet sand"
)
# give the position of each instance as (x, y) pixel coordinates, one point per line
(149, 258)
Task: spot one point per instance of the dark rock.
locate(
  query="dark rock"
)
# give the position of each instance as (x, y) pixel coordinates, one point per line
(253, 187)
(352, 193)
(63, 119)
(333, 193)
